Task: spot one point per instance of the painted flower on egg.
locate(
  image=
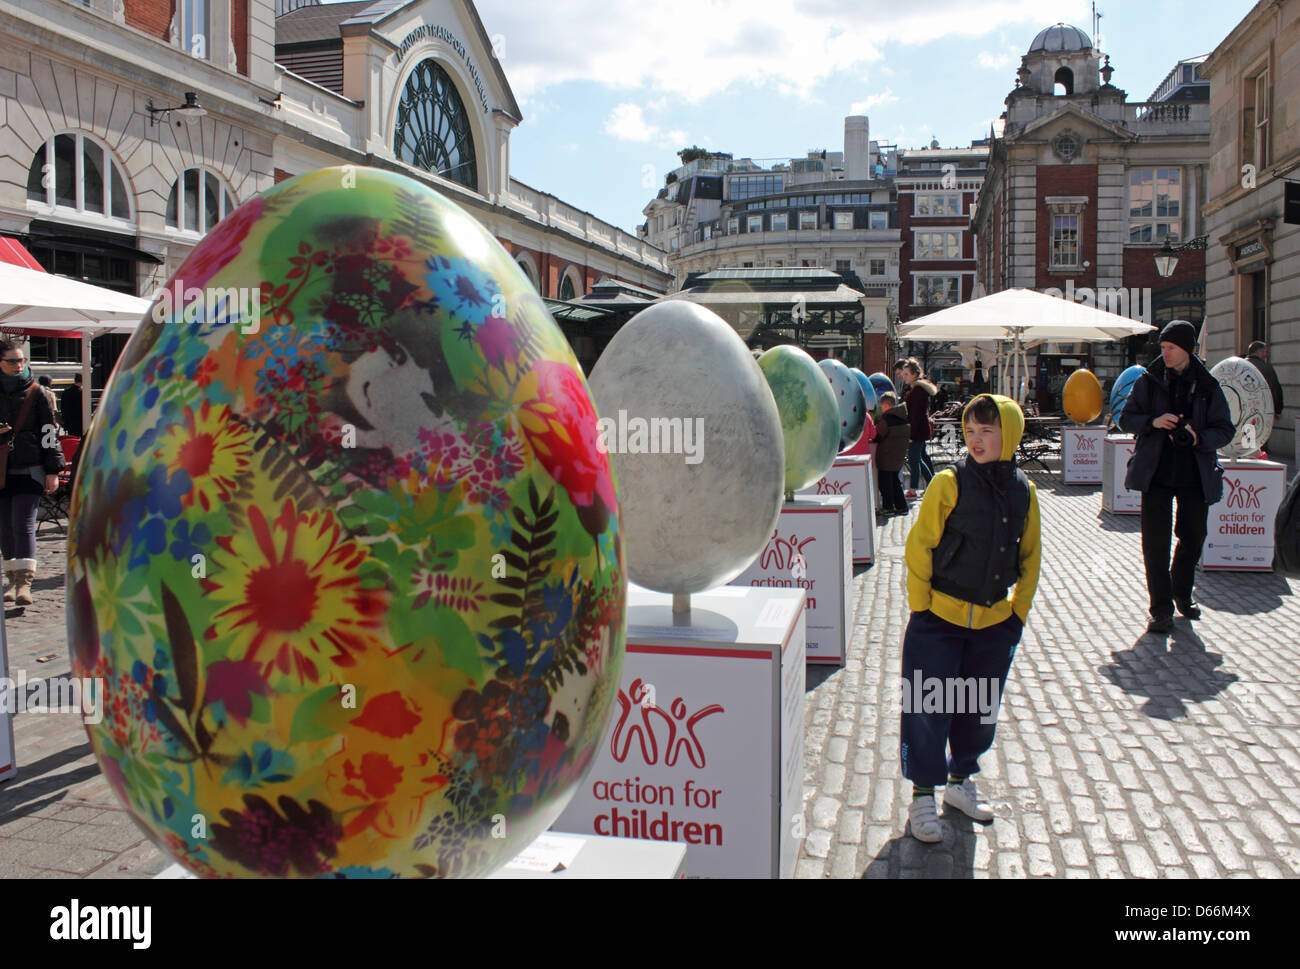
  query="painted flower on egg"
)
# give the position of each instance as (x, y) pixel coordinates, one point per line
(343, 551)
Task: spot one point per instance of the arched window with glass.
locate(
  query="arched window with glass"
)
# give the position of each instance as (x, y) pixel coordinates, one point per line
(74, 171)
(432, 130)
(198, 201)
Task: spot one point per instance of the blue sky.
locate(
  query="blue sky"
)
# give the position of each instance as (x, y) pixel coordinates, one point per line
(611, 89)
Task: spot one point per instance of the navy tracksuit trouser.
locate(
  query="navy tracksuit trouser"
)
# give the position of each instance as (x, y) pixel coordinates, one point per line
(953, 678)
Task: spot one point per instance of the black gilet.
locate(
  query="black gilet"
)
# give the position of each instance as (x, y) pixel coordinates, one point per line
(978, 557)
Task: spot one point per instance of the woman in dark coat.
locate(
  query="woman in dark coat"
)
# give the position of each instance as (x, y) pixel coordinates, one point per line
(32, 470)
(916, 393)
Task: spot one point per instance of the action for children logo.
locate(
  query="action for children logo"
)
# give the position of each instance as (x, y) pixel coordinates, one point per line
(1241, 495)
(827, 487)
(676, 731)
(1084, 442)
(782, 553)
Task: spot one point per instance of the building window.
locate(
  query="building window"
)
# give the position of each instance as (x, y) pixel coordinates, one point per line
(780, 221)
(195, 28)
(843, 266)
(733, 227)
(936, 205)
(747, 265)
(938, 245)
(1155, 204)
(843, 220)
(432, 130)
(778, 263)
(198, 201)
(1254, 120)
(75, 172)
(750, 186)
(755, 223)
(876, 267)
(879, 220)
(938, 290)
(1065, 241)
(807, 220)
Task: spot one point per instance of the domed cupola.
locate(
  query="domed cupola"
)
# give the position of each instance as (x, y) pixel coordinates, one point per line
(1061, 61)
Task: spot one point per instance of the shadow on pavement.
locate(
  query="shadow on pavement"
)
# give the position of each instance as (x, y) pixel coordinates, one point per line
(1170, 670)
(817, 674)
(1242, 593)
(1119, 523)
(18, 797)
(953, 857)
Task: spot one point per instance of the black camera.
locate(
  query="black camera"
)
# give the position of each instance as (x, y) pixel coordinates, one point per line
(1182, 434)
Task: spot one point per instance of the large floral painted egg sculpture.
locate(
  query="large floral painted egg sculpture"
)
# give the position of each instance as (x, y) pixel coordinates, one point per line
(850, 400)
(343, 549)
(809, 414)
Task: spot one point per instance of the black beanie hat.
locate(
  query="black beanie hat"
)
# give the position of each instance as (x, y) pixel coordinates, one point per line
(1180, 333)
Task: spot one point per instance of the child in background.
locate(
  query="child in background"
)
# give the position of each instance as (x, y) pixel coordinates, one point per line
(976, 535)
(892, 437)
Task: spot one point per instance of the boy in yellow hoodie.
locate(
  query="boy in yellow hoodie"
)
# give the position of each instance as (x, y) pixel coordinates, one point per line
(976, 535)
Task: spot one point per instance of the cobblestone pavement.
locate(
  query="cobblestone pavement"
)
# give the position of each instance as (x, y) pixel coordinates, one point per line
(1118, 754)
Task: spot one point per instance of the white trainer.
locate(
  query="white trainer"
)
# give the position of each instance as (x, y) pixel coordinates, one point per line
(924, 818)
(965, 798)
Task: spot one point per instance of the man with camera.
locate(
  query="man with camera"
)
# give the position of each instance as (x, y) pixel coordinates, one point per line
(1180, 418)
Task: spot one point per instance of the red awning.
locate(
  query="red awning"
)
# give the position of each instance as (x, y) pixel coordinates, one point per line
(15, 253)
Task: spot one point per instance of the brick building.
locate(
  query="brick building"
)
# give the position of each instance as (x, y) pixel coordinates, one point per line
(1083, 187)
(407, 85)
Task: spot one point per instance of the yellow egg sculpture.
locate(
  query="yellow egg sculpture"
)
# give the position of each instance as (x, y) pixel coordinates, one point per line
(1082, 397)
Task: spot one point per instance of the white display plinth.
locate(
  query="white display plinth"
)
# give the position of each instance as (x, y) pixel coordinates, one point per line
(705, 745)
(1240, 530)
(555, 855)
(853, 475)
(1115, 498)
(812, 549)
(1081, 455)
(8, 759)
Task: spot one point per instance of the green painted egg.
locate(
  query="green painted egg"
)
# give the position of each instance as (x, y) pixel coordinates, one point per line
(810, 416)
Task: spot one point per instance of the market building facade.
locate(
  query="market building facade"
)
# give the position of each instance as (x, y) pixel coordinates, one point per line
(131, 127)
(1253, 209)
(1083, 188)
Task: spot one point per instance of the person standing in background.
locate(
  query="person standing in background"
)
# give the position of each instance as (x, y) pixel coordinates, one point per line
(70, 408)
(33, 462)
(916, 394)
(1257, 353)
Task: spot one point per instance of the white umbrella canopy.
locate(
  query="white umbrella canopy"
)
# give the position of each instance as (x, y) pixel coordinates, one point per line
(31, 300)
(41, 301)
(1023, 317)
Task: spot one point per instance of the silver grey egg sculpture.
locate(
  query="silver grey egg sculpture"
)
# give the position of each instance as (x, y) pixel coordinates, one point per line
(694, 436)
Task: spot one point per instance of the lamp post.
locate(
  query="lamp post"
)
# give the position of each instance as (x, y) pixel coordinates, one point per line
(1167, 257)
(190, 111)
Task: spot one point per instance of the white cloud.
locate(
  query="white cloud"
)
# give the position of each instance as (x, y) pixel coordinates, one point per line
(996, 61)
(886, 96)
(627, 122)
(696, 49)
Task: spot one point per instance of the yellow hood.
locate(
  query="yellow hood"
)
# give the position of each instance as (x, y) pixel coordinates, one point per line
(1013, 423)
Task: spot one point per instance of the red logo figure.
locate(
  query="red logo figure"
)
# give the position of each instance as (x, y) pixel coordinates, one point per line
(620, 742)
(825, 487)
(1084, 442)
(782, 553)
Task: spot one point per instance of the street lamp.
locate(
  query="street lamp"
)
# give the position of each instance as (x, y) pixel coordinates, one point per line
(1167, 257)
(190, 111)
